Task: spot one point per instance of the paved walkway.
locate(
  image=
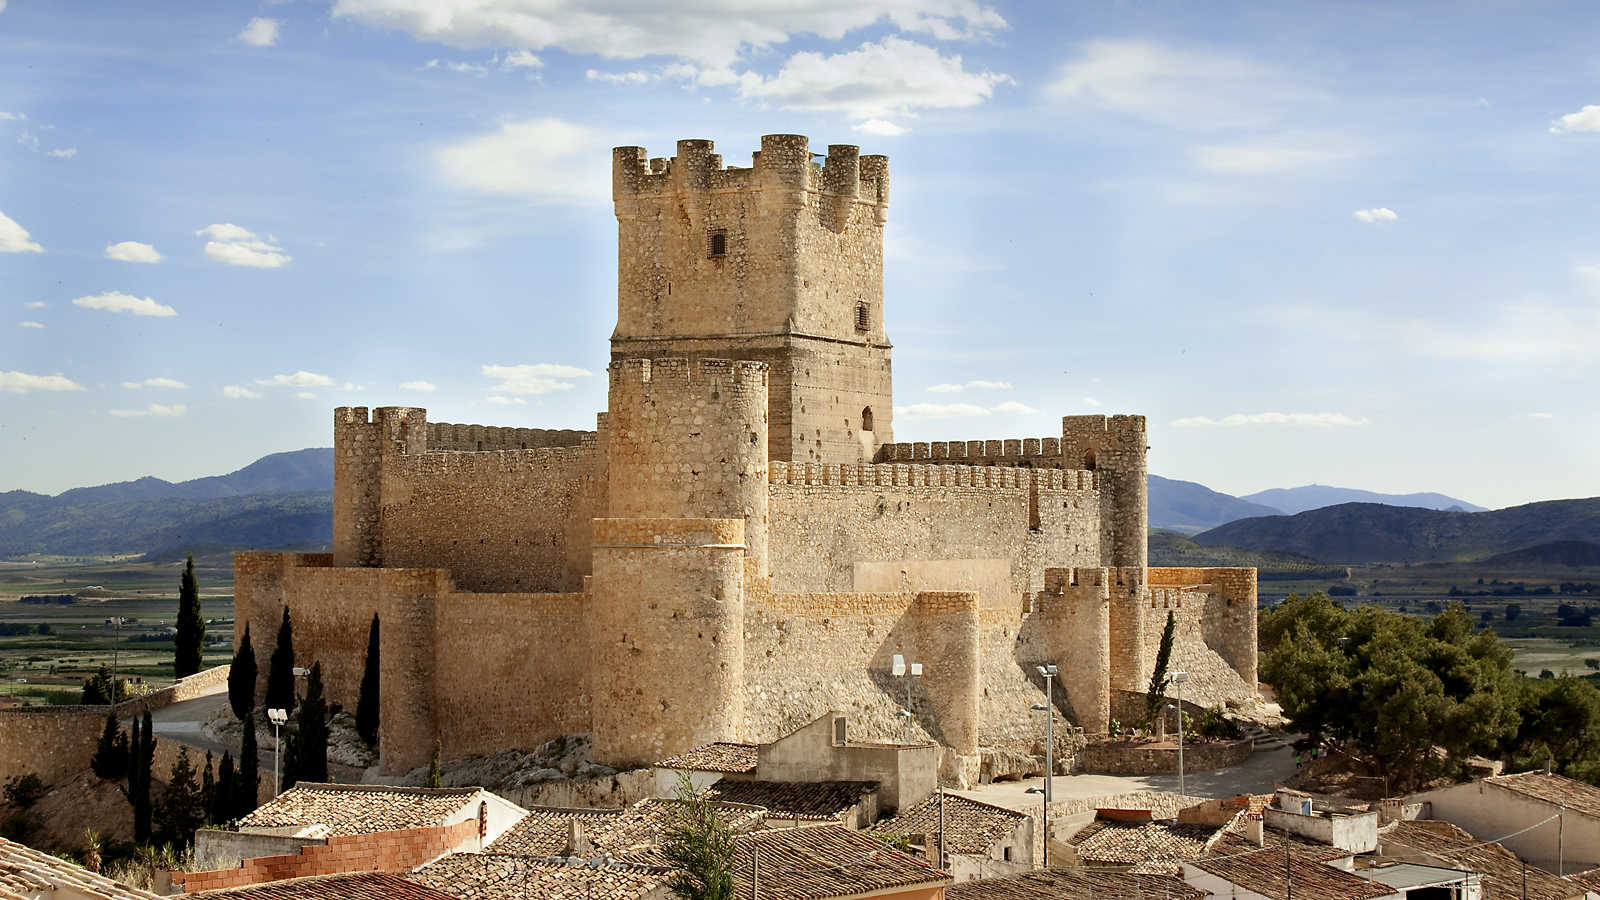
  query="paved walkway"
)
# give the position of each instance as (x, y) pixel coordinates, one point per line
(1260, 774)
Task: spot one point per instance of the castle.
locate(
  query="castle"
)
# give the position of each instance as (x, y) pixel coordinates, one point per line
(739, 546)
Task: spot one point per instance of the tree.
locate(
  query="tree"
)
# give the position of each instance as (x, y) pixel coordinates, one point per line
(242, 678)
(97, 689)
(110, 760)
(435, 776)
(1159, 679)
(247, 784)
(1513, 610)
(700, 846)
(141, 753)
(311, 731)
(367, 702)
(191, 626)
(208, 789)
(23, 791)
(280, 670)
(1560, 724)
(182, 807)
(223, 804)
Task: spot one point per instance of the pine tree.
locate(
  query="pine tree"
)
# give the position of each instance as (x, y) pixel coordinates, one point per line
(97, 689)
(242, 678)
(111, 752)
(367, 702)
(700, 846)
(311, 732)
(191, 626)
(208, 790)
(280, 670)
(182, 809)
(1159, 679)
(247, 784)
(223, 805)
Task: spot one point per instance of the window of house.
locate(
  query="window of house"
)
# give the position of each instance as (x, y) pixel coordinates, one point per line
(1007, 853)
(717, 243)
(863, 317)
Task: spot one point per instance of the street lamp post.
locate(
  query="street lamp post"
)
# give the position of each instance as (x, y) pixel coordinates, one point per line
(278, 717)
(1178, 678)
(899, 668)
(1048, 673)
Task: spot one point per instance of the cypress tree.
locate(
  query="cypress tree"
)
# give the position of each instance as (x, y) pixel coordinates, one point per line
(111, 751)
(141, 753)
(208, 791)
(247, 784)
(280, 670)
(367, 702)
(311, 732)
(181, 809)
(242, 678)
(1159, 679)
(223, 805)
(191, 626)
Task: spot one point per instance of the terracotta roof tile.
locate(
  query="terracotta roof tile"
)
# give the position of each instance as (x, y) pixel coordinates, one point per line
(1232, 841)
(1589, 879)
(970, 826)
(1072, 884)
(544, 830)
(1503, 871)
(824, 861)
(25, 872)
(722, 756)
(493, 876)
(1556, 790)
(630, 833)
(360, 886)
(1153, 847)
(1273, 873)
(821, 800)
(359, 809)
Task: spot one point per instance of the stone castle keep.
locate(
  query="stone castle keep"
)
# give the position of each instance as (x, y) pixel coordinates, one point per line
(739, 546)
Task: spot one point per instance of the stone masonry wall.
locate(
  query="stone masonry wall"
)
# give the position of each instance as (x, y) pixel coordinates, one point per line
(1229, 621)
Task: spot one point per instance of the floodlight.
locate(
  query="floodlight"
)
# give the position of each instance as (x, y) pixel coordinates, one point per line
(902, 713)
(1180, 677)
(1039, 707)
(899, 666)
(277, 716)
(301, 671)
(1047, 671)
(916, 669)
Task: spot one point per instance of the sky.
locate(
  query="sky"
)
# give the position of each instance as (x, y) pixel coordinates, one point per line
(1344, 243)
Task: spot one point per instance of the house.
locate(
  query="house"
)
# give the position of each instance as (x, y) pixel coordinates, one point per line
(1589, 880)
(322, 829)
(1073, 884)
(1551, 821)
(493, 876)
(356, 886)
(853, 804)
(1354, 829)
(967, 838)
(29, 874)
(1504, 874)
(1416, 881)
(632, 834)
(829, 862)
(1142, 845)
(1279, 875)
(704, 766)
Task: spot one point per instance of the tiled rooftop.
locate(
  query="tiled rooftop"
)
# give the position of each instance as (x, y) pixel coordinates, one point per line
(360, 886)
(818, 801)
(1072, 884)
(631, 833)
(721, 756)
(491, 876)
(1231, 841)
(970, 826)
(824, 861)
(1556, 790)
(26, 872)
(1503, 871)
(544, 830)
(1273, 874)
(1154, 847)
(1589, 879)
(358, 809)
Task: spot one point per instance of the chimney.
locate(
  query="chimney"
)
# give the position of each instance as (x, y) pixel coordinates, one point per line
(1255, 830)
(578, 843)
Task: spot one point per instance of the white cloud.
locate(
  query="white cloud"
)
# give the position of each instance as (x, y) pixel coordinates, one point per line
(507, 401)
(711, 34)
(1586, 119)
(1090, 401)
(970, 386)
(300, 379)
(22, 383)
(465, 68)
(63, 152)
(521, 59)
(1376, 215)
(424, 386)
(30, 140)
(241, 247)
(622, 77)
(545, 159)
(892, 77)
(1318, 420)
(35, 304)
(15, 239)
(538, 378)
(1541, 415)
(350, 386)
(132, 251)
(1013, 407)
(235, 392)
(1275, 155)
(956, 410)
(260, 32)
(154, 409)
(30, 324)
(306, 395)
(11, 116)
(880, 128)
(157, 382)
(118, 302)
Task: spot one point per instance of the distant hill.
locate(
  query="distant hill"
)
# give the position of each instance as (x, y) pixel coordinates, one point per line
(1555, 553)
(282, 500)
(1316, 496)
(1168, 548)
(1372, 532)
(1189, 507)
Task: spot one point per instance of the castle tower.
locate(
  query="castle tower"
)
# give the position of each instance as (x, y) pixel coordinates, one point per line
(359, 447)
(781, 262)
(1114, 448)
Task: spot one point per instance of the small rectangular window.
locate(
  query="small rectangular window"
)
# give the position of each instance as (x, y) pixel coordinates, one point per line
(717, 243)
(863, 318)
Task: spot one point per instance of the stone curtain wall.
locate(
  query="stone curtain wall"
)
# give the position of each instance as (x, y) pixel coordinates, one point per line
(1212, 679)
(331, 609)
(1228, 624)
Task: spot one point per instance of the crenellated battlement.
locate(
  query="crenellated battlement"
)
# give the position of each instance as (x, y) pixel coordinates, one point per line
(915, 475)
(710, 377)
(1041, 451)
(782, 163)
(451, 436)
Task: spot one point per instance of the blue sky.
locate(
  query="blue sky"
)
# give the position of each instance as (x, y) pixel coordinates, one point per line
(1346, 243)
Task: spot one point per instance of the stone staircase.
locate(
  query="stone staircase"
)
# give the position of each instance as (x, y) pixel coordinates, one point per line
(1266, 739)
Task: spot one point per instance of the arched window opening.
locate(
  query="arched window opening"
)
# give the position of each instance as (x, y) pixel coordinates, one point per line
(863, 318)
(1088, 459)
(866, 418)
